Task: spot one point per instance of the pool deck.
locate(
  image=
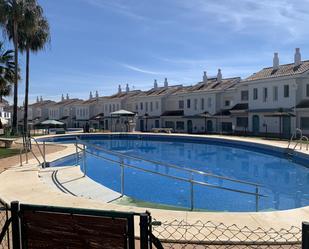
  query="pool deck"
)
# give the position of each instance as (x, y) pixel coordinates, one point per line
(30, 184)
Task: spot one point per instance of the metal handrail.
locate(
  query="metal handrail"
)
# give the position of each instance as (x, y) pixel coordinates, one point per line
(294, 135)
(191, 181)
(171, 165)
(305, 138)
(43, 154)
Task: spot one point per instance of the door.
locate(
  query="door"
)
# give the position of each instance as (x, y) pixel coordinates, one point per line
(141, 125)
(209, 126)
(286, 127)
(157, 123)
(255, 124)
(189, 126)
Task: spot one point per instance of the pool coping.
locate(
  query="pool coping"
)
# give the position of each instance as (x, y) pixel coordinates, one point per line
(24, 184)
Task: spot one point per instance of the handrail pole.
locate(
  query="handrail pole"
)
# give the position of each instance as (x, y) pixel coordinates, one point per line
(122, 175)
(84, 160)
(26, 151)
(44, 154)
(256, 199)
(20, 157)
(76, 151)
(191, 193)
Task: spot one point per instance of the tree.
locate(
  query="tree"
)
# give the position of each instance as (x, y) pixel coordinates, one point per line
(11, 14)
(33, 36)
(7, 67)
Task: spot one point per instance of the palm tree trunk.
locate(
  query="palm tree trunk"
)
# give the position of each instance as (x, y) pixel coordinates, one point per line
(26, 91)
(14, 124)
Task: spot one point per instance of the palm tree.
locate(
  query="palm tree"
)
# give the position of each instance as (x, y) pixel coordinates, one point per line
(33, 35)
(11, 14)
(7, 66)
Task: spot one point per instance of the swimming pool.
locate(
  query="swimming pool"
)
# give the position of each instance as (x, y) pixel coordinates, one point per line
(164, 168)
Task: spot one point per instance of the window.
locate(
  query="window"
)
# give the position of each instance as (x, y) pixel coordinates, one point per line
(304, 123)
(227, 126)
(110, 108)
(141, 106)
(265, 93)
(180, 125)
(242, 122)
(136, 107)
(209, 102)
(181, 104)
(255, 93)
(202, 104)
(188, 103)
(244, 95)
(146, 106)
(275, 93)
(157, 123)
(195, 104)
(169, 124)
(227, 103)
(286, 91)
(151, 106)
(114, 107)
(157, 105)
(307, 90)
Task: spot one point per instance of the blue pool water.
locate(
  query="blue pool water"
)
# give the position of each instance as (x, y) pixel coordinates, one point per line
(285, 183)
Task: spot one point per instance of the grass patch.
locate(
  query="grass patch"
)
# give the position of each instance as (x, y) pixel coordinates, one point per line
(8, 152)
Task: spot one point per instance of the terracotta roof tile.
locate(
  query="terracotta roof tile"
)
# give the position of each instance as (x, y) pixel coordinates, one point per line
(283, 70)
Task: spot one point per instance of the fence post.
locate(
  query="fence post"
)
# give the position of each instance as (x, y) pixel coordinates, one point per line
(305, 235)
(15, 225)
(144, 233)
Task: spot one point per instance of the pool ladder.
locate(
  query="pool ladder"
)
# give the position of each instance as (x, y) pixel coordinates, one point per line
(290, 150)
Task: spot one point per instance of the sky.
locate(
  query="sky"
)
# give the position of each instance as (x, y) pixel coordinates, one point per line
(99, 44)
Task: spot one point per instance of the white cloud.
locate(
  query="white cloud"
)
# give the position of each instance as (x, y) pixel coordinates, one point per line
(140, 70)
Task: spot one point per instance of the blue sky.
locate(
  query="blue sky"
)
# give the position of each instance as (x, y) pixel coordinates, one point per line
(98, 44)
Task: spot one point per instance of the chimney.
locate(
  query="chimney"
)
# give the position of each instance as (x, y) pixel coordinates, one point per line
(165, 83)
(90, 95)
(276, 61)
(127, 88)
(119, 89)
(155, 84)
(205, 77)
(68, 96)
(41, 99)
(37, 99)
(62, 97)
(219, 75)
(96, 94)
(297, 57)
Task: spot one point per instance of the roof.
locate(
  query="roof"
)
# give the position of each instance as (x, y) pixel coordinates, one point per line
(173, 113)
(159, 91)
(42, 103)
(223, 113)
(68, 102)
(51, 122)
(125, 94)
(240, 107)
(303, 104)
(98, 116)
(283, 70)
(122, 112)
(212, 84)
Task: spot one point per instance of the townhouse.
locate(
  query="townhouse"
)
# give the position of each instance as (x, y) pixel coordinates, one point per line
(64, 111)
(151, 105)
(5, 115)
(278, 98)
(273, 101)
(38, 111)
